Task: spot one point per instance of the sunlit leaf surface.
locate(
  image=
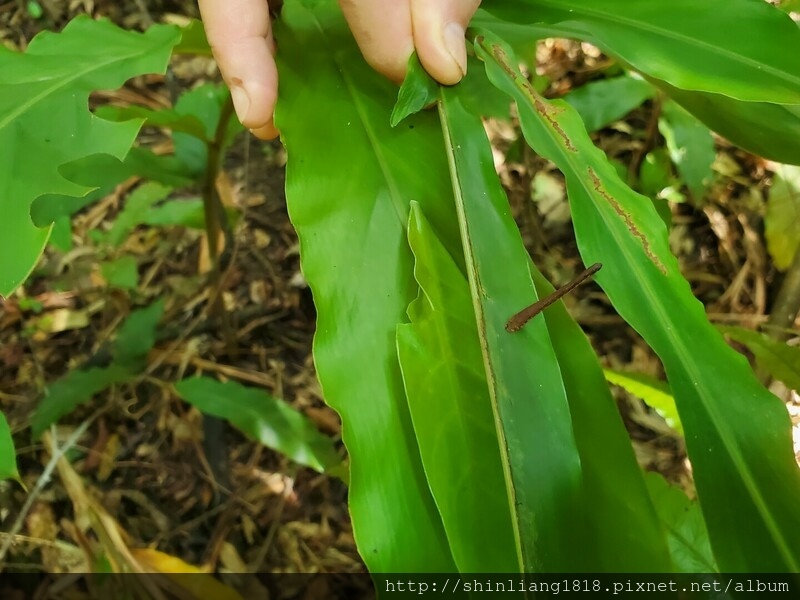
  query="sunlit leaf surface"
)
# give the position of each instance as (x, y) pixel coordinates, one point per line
(45, 120)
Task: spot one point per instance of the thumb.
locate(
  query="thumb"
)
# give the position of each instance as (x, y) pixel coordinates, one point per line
(439, 27)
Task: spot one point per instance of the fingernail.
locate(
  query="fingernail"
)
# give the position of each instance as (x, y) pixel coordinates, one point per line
(455, 44)
(241, 102)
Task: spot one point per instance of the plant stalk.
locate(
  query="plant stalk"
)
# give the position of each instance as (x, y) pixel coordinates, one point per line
(216, 220)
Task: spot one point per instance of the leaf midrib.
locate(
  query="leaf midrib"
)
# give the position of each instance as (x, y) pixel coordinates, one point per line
(63, 82)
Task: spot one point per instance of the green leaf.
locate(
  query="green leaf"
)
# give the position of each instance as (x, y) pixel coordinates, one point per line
(686, 530)
(88, 171)
(204, 104)
(31, 304)
(8, 454)
(731, 47)
(769, 130)
(413, 98)
(474, 91)
(518, 33)
(602, 102)
(135, 209)
(165, 169)
(164, 117)
(653, 392)
(187, 213)
(479, 96)
(655, 174)
(121, 273)
(779, 359)
(690, 145)
(782, 221)
(61, 236)
(183, 212)
(718, 397)
(530, 405)
(75, 388)
(620, 515)
(34, 9)
(104, 173)
(440, 356)
(193, 40)
(262, 418)
(45, 121)
(349, 205)
(137, 334)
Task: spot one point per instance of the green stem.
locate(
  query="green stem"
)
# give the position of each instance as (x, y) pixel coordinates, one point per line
(216, 222)
(214, 211)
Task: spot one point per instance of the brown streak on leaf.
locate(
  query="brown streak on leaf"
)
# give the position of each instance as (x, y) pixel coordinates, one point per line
(598, 186)
(548, 111)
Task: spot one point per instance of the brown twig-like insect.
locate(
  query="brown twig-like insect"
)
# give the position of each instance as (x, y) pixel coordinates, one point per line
(519, 320)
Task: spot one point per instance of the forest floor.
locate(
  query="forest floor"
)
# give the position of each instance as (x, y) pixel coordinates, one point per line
(205, 494)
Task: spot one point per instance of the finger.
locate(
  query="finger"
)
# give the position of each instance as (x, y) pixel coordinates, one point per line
(382, 29)
(266, 132)
(439, 27)
(240, 35)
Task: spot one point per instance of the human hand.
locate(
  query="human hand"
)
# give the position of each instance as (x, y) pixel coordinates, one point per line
(387, 31)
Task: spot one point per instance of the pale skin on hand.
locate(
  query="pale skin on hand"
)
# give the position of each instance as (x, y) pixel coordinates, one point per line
(387, 31)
